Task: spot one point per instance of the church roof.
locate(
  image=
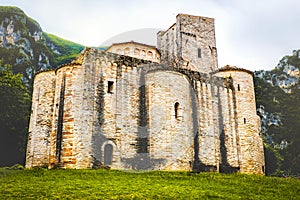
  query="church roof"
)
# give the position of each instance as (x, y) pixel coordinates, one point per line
(232, 68)
(132, 42)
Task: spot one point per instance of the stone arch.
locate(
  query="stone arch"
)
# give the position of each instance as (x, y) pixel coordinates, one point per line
(109, 150)
(127, 51)
(118, 51)
(137, 52)
(108, 154)
(143, 53)
(149, 54)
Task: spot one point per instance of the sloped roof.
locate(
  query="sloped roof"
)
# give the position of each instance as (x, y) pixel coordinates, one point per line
(132, 42)
(232, 68)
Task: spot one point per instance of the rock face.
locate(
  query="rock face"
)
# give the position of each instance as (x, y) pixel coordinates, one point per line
(28, 49)
(19, 38)
(286, 74)
(278, 96)
(130, 113)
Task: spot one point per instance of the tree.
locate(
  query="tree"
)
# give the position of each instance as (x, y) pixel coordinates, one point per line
(14, 116)
(282, 152)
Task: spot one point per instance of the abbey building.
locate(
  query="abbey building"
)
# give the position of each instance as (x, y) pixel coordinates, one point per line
(141, 107)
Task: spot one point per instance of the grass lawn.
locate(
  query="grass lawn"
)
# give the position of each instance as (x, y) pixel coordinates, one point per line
(111, 184)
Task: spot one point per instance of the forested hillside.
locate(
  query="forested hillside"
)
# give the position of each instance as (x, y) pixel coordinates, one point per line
(278, 104)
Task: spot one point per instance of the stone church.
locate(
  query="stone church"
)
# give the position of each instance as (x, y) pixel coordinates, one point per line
(141, 107)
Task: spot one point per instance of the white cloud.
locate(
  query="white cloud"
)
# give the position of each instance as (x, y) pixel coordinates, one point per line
(261, 32)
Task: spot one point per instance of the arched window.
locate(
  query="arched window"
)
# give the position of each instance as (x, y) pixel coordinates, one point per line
(176, 109)
(137, 52)
(108, 153)
(149, 54)
(143, 53)
(127, 51)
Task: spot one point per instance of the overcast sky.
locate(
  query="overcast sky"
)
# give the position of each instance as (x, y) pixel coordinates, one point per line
(252, 34)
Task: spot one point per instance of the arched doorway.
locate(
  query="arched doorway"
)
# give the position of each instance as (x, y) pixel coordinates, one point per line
(108, 153)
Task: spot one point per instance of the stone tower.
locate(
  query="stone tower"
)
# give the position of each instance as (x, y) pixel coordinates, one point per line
(247, 125)
(190, 43)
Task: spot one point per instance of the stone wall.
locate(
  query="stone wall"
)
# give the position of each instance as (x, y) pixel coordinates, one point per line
(138, 115)
(68, 118)
(136, 50)
(217, 135)
(170, 116)
(167, 45)
(38, 145)
(247, 125)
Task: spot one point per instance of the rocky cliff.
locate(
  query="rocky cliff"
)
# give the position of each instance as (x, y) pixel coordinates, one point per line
(25, 46)
(278, 104)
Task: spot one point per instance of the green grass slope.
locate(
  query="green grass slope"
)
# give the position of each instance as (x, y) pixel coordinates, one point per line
(68, 50)
(103, 184)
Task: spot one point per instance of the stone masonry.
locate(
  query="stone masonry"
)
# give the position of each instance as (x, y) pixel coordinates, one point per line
(136, 50)
(175, 111)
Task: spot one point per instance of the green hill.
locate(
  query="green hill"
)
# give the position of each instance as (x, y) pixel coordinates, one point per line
(65, 51)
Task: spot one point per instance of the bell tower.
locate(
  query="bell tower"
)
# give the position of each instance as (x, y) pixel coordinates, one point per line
(190, 42)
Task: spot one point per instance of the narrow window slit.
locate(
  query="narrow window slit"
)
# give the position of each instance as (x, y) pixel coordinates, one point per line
(199, 52)
(176, 108)
(110, 87)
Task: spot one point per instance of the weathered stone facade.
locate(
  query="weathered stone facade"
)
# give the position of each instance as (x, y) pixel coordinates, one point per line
(136, 50)
(130, 113)
(190, 42)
